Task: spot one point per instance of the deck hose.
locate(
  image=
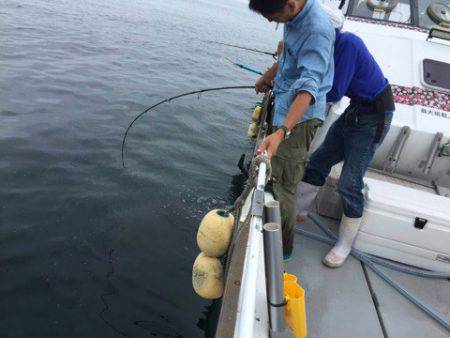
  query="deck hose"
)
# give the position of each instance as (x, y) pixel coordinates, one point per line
(372, 262)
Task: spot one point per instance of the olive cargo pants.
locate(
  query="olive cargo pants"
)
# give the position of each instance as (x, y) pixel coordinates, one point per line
(288, 167)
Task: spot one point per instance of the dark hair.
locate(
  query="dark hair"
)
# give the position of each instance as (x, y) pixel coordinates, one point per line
(267, 6)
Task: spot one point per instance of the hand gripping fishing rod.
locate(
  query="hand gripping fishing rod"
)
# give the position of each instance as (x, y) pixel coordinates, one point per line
(170, 99)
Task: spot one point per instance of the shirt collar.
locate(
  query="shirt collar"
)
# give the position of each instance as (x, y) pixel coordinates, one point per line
(297, 20)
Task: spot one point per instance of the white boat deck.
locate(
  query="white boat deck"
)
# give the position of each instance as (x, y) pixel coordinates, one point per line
(352, 301)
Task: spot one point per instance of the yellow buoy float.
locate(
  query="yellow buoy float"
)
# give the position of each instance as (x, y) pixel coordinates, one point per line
(207, 277)
(252, 131)
(256, 113)
(214, 233)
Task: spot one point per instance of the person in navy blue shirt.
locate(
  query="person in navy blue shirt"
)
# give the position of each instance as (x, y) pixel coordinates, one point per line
(353, 138)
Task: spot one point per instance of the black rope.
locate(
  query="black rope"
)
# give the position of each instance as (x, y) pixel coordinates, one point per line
(168, 100)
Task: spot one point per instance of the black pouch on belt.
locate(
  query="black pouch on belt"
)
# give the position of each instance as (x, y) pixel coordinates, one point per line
(383, 102)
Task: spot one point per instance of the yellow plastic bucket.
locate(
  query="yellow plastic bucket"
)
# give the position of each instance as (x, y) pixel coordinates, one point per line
(290, 278)
(295, 310)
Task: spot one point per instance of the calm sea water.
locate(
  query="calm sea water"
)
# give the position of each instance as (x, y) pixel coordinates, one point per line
(87, 248)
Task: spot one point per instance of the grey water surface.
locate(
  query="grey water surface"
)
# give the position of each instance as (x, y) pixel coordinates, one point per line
(88, 248)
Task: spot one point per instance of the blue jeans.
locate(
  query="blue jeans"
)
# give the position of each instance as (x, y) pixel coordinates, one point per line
(353, 139)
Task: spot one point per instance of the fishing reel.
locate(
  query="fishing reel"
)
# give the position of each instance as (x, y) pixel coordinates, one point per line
(439, 12)
(382, 5)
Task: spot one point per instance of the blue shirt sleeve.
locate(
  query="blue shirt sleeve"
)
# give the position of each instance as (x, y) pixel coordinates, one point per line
(313, 61)
(345, 59)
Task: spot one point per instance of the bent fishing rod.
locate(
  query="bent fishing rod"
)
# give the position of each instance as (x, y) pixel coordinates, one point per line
(170, 99)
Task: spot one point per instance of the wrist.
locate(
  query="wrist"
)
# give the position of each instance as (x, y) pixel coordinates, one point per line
(280, 132)
(267, 77)
(284, 131)
(289, 126)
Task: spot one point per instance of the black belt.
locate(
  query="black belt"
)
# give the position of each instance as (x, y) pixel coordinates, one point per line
(383, 102)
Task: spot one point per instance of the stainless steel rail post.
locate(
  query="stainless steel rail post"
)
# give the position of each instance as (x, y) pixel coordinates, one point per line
(434, 150)
(393, 158)
(273, 256)
(273, 212)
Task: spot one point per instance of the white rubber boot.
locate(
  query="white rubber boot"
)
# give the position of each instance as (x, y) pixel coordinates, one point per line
(347, 233)
(306, 196)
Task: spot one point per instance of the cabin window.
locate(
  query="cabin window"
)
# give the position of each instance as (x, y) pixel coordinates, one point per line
(436, 74)
(422, 13)
(386, 10)
(433, 12)
(424, 19)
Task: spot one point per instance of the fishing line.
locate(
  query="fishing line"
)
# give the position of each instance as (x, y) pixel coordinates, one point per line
(274, 54)
(168, 100)
(112, 292)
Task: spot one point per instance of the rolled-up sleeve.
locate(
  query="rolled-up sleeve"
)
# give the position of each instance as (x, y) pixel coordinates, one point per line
(313, 63)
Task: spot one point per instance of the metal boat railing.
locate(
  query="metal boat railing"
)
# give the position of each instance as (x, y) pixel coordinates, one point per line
(244, 284)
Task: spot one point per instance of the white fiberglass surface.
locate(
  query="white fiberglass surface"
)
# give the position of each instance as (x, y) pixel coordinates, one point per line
(399, 51)
(400, 54)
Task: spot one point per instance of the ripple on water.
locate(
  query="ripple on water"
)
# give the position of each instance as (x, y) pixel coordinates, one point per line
(89, 249)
